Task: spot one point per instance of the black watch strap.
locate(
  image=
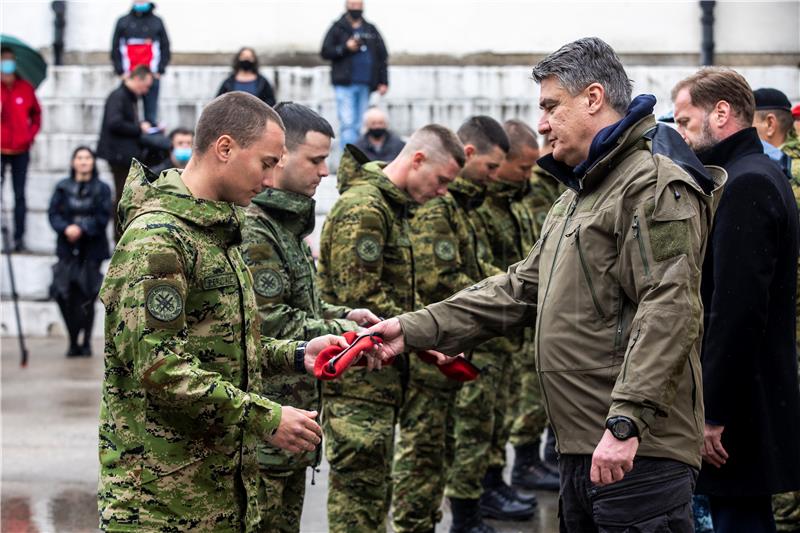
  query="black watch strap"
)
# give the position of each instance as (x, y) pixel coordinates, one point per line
(300, 358)
(622, 427)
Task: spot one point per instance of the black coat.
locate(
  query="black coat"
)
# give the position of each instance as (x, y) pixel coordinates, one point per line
(263, 89)
(392, 146)
(87, 204)
(749, 356)
(120, 132)
(335, 50)
(141, 26)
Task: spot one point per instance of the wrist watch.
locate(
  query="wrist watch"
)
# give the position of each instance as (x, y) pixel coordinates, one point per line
(300, 358)
(622, 427)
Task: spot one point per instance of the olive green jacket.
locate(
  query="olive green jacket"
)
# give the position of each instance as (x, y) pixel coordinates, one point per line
(613, 287)
(288, 301)
(181, 412)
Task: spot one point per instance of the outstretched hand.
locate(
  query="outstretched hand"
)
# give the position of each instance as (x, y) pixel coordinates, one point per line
(297, 431)
(318, 344)
(392, 335)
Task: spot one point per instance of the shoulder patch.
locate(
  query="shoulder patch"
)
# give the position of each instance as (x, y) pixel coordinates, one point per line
(371, 221)
(268, 282)
(165, 263)
(444, 249)
(164, 303)
(217, 281)
(259, 252)
(368, 248)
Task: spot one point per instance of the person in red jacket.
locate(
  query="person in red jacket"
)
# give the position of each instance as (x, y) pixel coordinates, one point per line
(21, 120)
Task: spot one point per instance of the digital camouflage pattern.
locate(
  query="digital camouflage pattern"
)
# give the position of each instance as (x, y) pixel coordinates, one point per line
(366, 261)
(290, 308)
(446, 258)
(181, 413)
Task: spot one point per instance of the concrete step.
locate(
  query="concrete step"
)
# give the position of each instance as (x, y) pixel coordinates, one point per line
(41, 319)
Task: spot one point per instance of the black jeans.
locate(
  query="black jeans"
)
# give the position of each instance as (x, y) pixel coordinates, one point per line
(654, 497)
(19, 173)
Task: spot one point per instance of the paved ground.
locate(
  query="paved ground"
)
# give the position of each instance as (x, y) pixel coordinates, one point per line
(49, 447)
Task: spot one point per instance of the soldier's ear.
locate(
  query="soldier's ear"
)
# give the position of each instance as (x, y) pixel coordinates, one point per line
(418, 159)
(222, 148)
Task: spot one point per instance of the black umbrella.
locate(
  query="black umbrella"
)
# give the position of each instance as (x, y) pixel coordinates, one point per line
(30, 63)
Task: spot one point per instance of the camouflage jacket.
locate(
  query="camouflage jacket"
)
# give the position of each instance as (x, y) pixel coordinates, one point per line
(288, 300)
(366, 260)
(792, 148)
(541, 193)
(181, 414)
(508, 222)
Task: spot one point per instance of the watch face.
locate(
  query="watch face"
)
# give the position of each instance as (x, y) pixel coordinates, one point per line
(622, 429)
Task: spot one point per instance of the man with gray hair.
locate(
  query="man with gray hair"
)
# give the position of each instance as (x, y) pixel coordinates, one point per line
(378, 142)
(613, 290)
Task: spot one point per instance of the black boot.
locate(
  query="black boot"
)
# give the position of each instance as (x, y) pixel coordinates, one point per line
(467, 517)
(501, 502)
(530, 472)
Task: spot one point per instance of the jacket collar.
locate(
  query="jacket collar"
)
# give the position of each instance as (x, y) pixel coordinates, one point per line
(294, 211)
(743, 142)
(610, 142)
(468, 194)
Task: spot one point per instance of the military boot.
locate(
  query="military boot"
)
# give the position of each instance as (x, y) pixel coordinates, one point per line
(467, 517)
(530, 472)
(502, 502)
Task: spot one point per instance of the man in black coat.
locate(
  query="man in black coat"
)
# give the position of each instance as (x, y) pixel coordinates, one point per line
(358, 67)
(379, 143)
(752, 401)
(140, 38)
(121, 132)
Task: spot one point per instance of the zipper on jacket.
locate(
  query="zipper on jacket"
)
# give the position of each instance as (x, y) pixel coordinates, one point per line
(627, 359)
(539, 313)
(694, 393)
(618, 335)
(588, 277)
(637, 233)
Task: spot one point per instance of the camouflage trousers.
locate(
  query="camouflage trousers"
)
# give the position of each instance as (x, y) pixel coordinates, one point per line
(786, 508)
(476, 426)
(424, 449)
(282, 501)
(359, 441)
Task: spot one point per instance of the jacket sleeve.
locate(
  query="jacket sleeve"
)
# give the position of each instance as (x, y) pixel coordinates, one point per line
(166, 52)
(117, 123)
(279, 318)
(490, 308)
(744, 245)
(660, 262)
(96, 224)
(34, 115)
(171, 375)
(334, 311)
(116, 54)
(332, 47)
(55, 212)
(358, 281)
(383, 59)
(267, 94)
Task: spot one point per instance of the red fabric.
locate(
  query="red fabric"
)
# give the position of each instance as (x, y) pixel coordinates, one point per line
(459, 369)
(796, 111)
(20, 118)
(324, 370)
(139, 52)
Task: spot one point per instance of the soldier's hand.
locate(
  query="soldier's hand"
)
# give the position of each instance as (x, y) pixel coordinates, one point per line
(612, 459)
(392, 335)
(363, 317)
(318, 344)
(442, 359)
(297, 431)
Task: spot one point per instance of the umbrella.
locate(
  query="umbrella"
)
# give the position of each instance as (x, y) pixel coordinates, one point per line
(30, 64)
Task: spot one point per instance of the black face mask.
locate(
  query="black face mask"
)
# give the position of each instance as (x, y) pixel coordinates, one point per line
(355, 14)
(376, 133)
(246, 65)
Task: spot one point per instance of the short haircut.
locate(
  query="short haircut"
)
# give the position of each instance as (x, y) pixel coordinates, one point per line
(236, 59)
(141, 72)
(710, 85)
(483, 133)
(179, 131)
(589, 60)
(438, 141)
(238, 114)
(299, 120)
(519, 135)
(784, 118)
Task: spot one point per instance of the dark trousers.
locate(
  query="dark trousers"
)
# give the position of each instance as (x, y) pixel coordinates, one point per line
(120, 174)
(654, 497)
(19, 173)
(752, 514)
(150, 101)
(78, 313)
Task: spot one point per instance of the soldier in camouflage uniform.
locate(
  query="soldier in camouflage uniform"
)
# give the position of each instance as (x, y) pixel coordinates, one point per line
(181, 411)
(288, 298)
(445, 244)
(366, 260)
(775, 124)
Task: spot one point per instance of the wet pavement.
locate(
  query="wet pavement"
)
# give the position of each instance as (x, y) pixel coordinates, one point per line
(49, 448)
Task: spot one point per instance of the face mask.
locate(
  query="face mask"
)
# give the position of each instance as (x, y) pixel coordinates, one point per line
(141, 8)
(8, 66)
(376, 133)
(246, 65)
(355, 14)
(182, 155)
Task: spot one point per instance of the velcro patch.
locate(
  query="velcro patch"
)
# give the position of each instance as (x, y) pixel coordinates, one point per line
(669, 239)
(166, 263)
(368, 248)
(218, 281)
(164, 304)
(371, 221)
(444, 249)
(268, 282)
(259, 252)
